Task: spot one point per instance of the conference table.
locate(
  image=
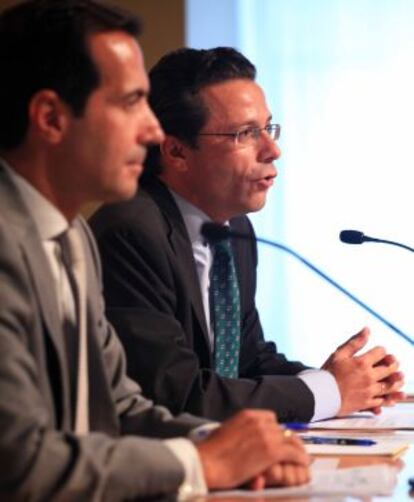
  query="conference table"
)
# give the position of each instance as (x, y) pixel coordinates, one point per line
(404, 464)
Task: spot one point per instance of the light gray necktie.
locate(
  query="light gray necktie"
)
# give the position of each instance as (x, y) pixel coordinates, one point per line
(72, 250)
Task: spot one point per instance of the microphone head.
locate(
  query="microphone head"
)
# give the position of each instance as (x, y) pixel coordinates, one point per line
(352, 237)
(214, 232)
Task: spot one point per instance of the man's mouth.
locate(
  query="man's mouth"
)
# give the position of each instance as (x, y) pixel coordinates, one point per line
(264, 182)
(137, 158)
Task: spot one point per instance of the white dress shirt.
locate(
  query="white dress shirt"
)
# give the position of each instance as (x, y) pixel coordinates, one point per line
(321, 383)
(50, 223)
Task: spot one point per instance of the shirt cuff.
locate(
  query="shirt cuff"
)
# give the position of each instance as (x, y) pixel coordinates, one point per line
(202, 431)
(325, 391)
(194, 483)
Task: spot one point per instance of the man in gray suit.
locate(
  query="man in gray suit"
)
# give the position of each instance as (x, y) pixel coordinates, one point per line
(76, 124)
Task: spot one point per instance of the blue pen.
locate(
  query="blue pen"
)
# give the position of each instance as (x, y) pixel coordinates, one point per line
(296, 426)
(337, 441)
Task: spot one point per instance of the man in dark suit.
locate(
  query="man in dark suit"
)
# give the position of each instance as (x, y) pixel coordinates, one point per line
(75, 128)
(216, 163)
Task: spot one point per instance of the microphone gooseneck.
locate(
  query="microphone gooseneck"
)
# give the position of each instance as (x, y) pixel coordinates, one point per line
(357, 237)
(214, 232)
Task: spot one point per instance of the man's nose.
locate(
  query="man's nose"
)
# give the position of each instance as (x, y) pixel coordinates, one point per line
(154, 133)
(269, 149)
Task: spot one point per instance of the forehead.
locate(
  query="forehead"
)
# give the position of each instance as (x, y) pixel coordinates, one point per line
(118, 59)
(235, 102)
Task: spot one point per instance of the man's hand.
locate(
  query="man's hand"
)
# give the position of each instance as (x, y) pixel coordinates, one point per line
(249, 448)
(281, 475)
(368, 381)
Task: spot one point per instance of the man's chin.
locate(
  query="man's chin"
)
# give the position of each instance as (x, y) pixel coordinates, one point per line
(123, 193)
(256, 205)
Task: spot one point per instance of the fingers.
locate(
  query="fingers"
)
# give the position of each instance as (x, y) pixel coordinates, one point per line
(373, 357)
(287, 475)
(281, 475)
(353, 344)
(376, 410)
(389, 389)
(390, 385)
(257, 483)
(294, 475)
(394, 381)
(256, 438)
(386, 373)
(367, 381)
(393, 398)
(347, 349)
(382, 393)
(378, 358)
(290, 452)
(382, 396)
(375, 404)
(388, 360)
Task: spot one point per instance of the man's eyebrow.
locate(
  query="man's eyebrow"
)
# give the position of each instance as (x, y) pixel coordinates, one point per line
(252, 123)
(135, 94)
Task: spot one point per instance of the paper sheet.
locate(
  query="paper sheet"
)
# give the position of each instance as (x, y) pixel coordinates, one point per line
(357, 481)
(366, 421)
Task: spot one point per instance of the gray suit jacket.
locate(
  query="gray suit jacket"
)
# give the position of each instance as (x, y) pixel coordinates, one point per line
(40, 457)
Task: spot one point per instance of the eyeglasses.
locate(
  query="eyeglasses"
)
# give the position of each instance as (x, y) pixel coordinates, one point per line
(249, 135)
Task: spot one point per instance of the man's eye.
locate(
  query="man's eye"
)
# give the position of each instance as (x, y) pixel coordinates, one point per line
(247, 133)
(132, 99)
(130, 102)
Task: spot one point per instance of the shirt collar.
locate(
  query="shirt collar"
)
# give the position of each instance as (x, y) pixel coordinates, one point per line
(49, 221)
(193, 218)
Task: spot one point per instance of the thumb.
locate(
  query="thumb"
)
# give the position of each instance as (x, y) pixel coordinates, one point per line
(353, 345)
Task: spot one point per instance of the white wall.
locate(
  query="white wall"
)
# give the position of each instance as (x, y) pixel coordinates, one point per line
(340, 79)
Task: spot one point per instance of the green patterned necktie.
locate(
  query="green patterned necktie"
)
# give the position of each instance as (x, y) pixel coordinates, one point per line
(225, 310)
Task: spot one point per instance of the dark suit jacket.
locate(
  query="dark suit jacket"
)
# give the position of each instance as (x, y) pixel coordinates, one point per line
(153, 298)
(40, 457)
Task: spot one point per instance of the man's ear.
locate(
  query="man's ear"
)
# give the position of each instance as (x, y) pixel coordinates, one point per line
(173, 153)
(48, 116)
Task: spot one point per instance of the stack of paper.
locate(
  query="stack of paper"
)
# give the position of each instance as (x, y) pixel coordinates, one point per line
(381, 448)
(389, 419)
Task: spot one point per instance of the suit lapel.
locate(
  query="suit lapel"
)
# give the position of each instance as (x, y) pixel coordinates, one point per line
(44, 286)
(181, 246)
(42, 279)
(102, 414)
(238, 261)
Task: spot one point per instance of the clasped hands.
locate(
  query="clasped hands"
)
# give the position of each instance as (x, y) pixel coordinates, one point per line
(252, 449)
(367, 381)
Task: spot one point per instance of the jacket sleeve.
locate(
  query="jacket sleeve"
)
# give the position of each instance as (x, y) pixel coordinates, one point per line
(38, 461)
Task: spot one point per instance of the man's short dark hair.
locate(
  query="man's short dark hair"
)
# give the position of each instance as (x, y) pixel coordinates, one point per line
(44, 45)
(176, 81)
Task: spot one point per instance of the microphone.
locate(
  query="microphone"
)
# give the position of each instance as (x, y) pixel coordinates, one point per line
(356, 237)
(214, 233)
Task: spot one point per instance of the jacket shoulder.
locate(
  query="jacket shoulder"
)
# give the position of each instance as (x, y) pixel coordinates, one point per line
(241, 223)
(141, 213)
